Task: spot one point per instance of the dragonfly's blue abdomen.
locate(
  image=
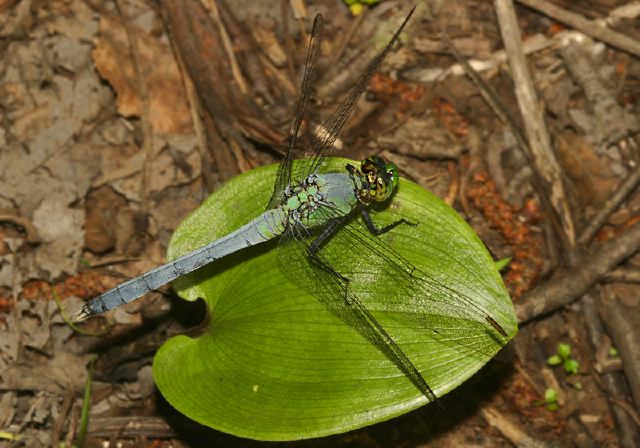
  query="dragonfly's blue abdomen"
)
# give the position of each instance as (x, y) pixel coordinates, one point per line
(264, 228)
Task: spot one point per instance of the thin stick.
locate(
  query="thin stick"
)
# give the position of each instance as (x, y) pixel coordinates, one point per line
(589, 27)
(510, 429)
(611, 383)
(611, 204)
(544, 161)
(568, 285)
(287, 41)
(621, 322)
(211, 6)
(625, 275)
(147, 127)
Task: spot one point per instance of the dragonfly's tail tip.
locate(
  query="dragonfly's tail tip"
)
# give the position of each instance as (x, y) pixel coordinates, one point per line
(81, 315)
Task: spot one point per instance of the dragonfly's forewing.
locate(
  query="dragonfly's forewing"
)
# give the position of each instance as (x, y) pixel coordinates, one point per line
(381, 282)
(319, 276)
(328, 287)
(328, 132)
(284, 177)
(426, 300)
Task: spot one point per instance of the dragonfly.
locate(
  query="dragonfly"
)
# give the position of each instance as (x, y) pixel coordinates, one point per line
(307, 209)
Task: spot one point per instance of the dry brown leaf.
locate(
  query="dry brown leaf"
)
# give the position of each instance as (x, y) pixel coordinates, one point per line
(590, 174)
(169, 110)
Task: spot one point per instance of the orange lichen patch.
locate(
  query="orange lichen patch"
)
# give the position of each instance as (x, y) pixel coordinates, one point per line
(529, 404)
(85, 285)
(5, 304)
(385, 86)
(513, 226)
(523, 396)
(454, 122)
(631, 222)
(608, 232)
(555, 28)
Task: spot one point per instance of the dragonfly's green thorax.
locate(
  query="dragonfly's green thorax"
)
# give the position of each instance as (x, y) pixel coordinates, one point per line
(308, 202)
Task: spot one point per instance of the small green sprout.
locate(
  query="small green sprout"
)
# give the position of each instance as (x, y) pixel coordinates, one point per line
(571, 366)
(554, 360)
(551, 399)
(564, 350)
(613, 352)
(563, 357)
(502, 263)
(577, 385)
(356, 6)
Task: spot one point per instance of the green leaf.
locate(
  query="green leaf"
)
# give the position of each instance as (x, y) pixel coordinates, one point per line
(275, 364)
(550, 395)
(554, 360)
(571, 366)
(613, 352)
(564, 350)
(502, 263)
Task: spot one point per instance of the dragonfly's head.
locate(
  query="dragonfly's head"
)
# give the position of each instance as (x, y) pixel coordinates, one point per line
(381, 176)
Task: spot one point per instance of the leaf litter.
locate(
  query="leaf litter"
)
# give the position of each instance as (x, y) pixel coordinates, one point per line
(71, 166)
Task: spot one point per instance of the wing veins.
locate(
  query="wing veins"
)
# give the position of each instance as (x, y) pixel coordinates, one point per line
(283, 178)
(327, 134)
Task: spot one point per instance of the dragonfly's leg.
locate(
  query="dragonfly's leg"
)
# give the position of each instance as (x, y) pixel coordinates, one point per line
(380, 230)
(315, 247)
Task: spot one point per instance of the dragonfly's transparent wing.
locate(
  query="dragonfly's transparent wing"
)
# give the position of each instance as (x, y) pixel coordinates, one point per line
(328, 132)
(384, 283)
(283, 178)
(446, 313)
(335, 294)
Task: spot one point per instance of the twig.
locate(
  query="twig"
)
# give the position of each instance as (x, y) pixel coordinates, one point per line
(625, 275)
(622, 322)
(131, 426)
(609, 122)
(73, 425)
(544, 161)
(611, 204)
(566, 286)
(492, 99)
(211, 6)
(589, 27)
(58, 426)
(489, 95)
(288, 43)
(204, 58)
(454, 184)
(346, 37)
(628, 432)
(147, 127)
(299, 9)
(194, 107)
(511, 430)
(631, 412)
(14, 310)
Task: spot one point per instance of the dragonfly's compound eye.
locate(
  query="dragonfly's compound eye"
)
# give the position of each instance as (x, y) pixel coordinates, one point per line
(392, 171)
(372, 164)
(381, 176)
(383, 186)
